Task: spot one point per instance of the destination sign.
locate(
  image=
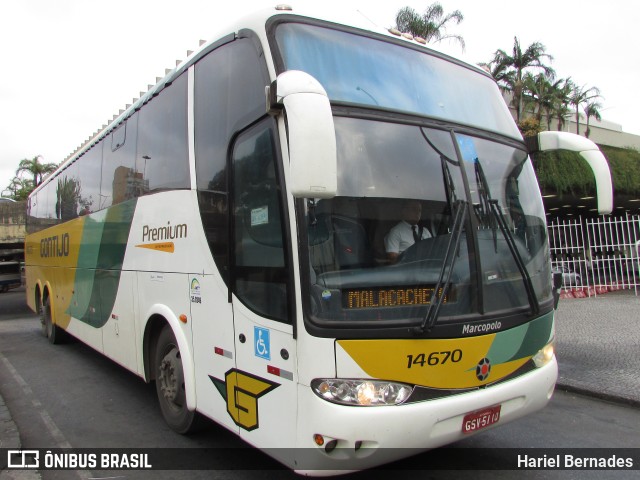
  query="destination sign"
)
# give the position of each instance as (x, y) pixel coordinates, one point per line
(387, 297)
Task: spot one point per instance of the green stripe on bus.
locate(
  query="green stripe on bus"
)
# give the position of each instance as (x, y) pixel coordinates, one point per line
(521, 342)
(104, 243)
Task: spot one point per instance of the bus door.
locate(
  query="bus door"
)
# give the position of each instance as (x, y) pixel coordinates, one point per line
(265, 380)
(213, 346)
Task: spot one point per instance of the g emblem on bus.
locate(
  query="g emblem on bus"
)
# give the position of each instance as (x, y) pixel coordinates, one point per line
(241, 391)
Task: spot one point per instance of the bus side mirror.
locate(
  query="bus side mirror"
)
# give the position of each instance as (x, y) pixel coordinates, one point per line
(546, 141)
(313, 166)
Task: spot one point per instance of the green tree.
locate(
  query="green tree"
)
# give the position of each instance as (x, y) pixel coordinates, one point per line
(501, 74)
(559, 107)
(538, 93)
(20, 188)
(529, 127)
(431, 25)
(580, 95)
(513, 67)
(548, 97)
(592, 109)
(36, 169)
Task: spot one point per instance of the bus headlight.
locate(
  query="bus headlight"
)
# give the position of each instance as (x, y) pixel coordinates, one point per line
(544, 355)
(363, 392)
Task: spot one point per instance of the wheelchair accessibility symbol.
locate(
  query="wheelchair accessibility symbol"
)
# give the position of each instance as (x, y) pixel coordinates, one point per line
(261, 343)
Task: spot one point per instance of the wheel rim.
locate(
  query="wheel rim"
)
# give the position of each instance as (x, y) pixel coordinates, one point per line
(171, 378)
(47, 324)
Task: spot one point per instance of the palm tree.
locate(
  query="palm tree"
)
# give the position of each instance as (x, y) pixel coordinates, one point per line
(21, 188)
(557, 103)
(538, 91)
(562, 112)
(548, 97)
(431, 25)
(592, 109)
(35, 168)
(559, 108)
(582, 95)
(517, 63)
(504, 77)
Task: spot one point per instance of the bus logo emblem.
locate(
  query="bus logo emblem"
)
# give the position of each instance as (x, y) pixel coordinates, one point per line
(241, 391)
(261, 343)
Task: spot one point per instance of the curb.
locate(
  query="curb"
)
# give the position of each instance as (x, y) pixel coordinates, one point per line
(10, 440)
(9, 436)
(609, 397)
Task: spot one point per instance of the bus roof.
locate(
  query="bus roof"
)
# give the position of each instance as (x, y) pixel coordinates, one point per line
(254, 21)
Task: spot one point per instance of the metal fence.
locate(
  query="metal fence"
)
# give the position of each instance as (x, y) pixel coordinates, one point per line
(596, 255)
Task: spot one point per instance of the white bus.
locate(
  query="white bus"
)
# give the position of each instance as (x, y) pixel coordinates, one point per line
(239, 252)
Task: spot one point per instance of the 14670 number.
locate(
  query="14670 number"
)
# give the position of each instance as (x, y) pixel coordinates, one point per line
(434, 358)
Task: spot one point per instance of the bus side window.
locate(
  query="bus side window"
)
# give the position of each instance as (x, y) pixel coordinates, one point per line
(90, 171)
(68, 189)
(162, 159)
(120, 181)
(260, 267)
(229, 95)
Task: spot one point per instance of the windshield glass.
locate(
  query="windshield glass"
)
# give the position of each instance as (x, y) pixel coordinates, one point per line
(502, 175)
(362, 70)
(378, 249)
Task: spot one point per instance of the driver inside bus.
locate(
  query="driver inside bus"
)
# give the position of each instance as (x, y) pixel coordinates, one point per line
(406, 232)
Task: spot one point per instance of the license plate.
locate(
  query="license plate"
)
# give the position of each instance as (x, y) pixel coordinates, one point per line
(474, 421)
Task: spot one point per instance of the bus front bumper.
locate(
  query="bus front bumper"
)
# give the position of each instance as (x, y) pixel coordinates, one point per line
(369, 436)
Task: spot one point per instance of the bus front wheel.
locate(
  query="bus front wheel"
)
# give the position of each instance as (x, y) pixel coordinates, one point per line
(170, 385)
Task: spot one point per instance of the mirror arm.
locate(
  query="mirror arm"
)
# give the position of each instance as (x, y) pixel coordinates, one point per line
(310, 133)
(274, 107)
(589, 151)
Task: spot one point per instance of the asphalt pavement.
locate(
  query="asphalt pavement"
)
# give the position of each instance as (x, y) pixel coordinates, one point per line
(597, 346)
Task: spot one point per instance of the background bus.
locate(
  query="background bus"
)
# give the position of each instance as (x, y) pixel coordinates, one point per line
(236, 254)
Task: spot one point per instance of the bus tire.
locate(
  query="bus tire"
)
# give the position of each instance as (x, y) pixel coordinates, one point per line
(53, 332)
(170, 389)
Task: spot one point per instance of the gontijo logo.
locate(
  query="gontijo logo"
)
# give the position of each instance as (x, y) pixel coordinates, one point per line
(241, 390)
(55, 246)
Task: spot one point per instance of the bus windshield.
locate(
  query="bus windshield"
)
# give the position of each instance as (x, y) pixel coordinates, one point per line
(377, 250)
(380, 249)
(362, 70)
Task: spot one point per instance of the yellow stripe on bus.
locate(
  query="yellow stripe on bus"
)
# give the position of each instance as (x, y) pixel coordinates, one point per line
(441, 363)
(53, 254)
(167, 247)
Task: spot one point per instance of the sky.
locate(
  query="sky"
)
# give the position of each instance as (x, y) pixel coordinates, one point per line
(70, 65)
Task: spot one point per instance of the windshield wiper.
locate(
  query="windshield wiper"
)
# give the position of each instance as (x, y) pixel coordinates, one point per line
(491, 204)
(483, 210)
(447, 269)
(450, 189)
(511, 243)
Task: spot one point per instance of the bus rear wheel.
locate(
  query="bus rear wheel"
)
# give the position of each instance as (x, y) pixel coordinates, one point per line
(170, 385)
(53, 332)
